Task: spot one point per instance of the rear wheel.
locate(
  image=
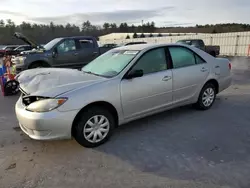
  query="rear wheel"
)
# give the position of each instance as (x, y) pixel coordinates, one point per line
(207, 97)
(94, 127)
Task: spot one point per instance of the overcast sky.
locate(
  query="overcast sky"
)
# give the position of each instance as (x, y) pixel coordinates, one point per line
(163, 12)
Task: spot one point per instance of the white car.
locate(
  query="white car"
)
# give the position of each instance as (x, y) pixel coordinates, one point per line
(122, 85)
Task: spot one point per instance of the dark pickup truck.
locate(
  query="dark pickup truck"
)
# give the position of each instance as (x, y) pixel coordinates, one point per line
(65, 52)
(198, 43)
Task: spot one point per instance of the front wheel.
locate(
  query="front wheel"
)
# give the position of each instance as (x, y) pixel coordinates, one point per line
(94, 127)
(207, 97)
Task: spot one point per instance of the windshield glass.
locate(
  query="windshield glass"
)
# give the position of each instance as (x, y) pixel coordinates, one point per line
(111, 63)
(51, 44)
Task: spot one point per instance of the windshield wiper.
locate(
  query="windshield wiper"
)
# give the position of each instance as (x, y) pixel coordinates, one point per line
(89, 72)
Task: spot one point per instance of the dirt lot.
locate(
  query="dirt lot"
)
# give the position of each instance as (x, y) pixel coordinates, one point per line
(178, 148)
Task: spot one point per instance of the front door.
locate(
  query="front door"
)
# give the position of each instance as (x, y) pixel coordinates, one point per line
(189, 72)
(66, 54)
(150, 92)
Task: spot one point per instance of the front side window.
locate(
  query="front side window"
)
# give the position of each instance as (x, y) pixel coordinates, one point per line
(182, 57)
(66, 46)
(152, 61)
(110, 63)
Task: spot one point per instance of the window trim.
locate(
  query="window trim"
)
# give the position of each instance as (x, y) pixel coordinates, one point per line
(167, 59)
(193, 52)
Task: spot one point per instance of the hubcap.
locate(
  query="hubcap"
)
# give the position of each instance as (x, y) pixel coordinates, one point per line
(208, 97)
(96, 128)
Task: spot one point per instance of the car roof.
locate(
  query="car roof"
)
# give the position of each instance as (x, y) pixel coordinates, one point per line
(78, 37)
(141, 47)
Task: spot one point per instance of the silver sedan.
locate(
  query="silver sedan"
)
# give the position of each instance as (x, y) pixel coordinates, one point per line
(122, 85)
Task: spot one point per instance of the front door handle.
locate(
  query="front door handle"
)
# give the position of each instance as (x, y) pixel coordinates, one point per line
(95, 53)
(166, 78)
(203, 69)
(75, 53)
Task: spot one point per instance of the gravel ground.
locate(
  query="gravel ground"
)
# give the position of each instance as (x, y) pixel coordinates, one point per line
(180, 148)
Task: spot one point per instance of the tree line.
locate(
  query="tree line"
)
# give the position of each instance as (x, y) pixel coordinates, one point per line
(43, 33)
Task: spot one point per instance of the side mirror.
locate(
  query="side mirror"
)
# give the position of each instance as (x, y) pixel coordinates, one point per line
(134, 74)
(54, 53)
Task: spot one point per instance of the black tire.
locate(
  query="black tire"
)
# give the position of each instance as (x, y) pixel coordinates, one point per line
(200, 104)
(11, 87)
(81, 125)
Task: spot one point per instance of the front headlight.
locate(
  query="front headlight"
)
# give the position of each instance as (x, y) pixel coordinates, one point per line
(19, 60)
(46, 105)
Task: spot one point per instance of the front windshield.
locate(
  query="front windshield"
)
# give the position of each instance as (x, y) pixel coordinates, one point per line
(111, 63)
(51, 44)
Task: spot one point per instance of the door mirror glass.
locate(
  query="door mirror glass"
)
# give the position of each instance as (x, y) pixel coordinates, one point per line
(135, 74)
(54, 53)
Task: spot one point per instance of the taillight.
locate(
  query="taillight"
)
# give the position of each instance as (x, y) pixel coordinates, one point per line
(229, 66)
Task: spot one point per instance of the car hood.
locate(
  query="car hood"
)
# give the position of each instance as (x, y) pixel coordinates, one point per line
(25, 39)
(51, 82)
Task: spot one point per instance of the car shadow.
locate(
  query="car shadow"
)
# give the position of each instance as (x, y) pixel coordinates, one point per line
(186, 144)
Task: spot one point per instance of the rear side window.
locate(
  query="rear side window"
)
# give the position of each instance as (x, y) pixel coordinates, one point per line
(86, 44)
(199, 60)
(182, 57)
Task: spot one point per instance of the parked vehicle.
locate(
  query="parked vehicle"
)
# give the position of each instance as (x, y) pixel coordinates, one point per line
(133, 43)
(112, 45)
(122, 85)
(4, 49)
(19, 49)
(198, 43)
(67, 52)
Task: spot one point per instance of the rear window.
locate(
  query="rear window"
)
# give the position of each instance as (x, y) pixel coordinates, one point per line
(188, 42)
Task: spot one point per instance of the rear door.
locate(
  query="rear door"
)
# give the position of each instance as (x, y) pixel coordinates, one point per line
(66, 54)
(88, 51)
(189, 73)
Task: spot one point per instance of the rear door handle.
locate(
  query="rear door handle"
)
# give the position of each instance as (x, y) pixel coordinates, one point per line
(95, 53)
(75, 53)
(166, 78)
(203, 69)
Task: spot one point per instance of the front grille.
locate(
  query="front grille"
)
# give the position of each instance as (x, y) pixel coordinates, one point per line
(28, 100)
